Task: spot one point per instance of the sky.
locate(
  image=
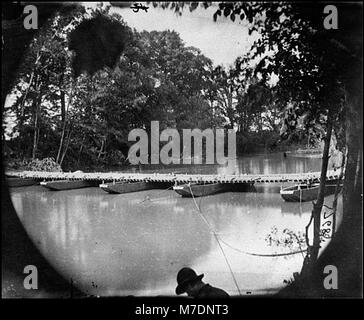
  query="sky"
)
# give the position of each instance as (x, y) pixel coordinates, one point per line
(221, 41)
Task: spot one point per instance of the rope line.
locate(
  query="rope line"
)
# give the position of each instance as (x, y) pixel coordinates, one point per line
(262, 254)
(159, 193)
(242, 251)
(217, 240)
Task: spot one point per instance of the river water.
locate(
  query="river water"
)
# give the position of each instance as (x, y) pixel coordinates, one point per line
(135, 244)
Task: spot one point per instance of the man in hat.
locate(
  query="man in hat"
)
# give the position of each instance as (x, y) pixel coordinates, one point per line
(189, 282)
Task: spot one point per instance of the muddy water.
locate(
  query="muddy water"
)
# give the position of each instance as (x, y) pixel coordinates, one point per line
(134, 244)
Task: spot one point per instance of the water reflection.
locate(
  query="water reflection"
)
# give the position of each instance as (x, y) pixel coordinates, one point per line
(254, 164)
(136, 243)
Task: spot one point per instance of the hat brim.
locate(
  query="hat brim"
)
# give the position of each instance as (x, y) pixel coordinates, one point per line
(181, 288)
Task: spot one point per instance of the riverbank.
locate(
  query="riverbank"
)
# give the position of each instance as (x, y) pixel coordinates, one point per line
(253, 148)
(103, 242)
(19, 251)
(132, 230)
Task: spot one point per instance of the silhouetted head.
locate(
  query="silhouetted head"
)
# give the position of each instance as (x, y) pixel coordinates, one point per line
(188, 281)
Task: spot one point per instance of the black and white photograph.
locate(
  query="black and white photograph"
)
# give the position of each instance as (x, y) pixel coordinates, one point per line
(185, 150)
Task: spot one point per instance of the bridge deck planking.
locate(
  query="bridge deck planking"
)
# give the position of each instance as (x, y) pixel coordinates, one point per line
(179, 178)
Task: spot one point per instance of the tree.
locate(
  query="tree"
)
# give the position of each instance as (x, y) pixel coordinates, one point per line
(16, 40)
(41, 80)
(319, 71)
(91, 115)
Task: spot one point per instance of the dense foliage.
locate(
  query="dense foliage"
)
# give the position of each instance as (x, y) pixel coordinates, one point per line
(319, 70)
(46, 164)
(82, 119)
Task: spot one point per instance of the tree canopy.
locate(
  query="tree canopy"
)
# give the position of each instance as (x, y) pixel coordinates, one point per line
(69, 107)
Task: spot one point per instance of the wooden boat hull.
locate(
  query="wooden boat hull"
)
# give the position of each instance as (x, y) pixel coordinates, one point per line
(126, 187)
(200, 190)
(14, 182)
(294, 194)
(67, 184)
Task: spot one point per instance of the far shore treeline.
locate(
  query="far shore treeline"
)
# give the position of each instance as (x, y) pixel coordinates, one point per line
(83, 122)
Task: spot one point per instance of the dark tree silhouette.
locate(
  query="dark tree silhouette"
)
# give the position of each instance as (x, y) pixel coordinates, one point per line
(97, 42)
(16, 247)
(325, 79)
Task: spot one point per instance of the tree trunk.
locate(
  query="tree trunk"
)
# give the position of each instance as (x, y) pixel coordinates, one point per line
(79, 154)
(63, 115)
(22, 108)
(64, 124)
(80, 151)
(316, 212)
(354, 150)
(36, 131)
(101, 149)
(336, 196)
(61, 142)
(63, 106)
(34, 150)
(67, 145)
